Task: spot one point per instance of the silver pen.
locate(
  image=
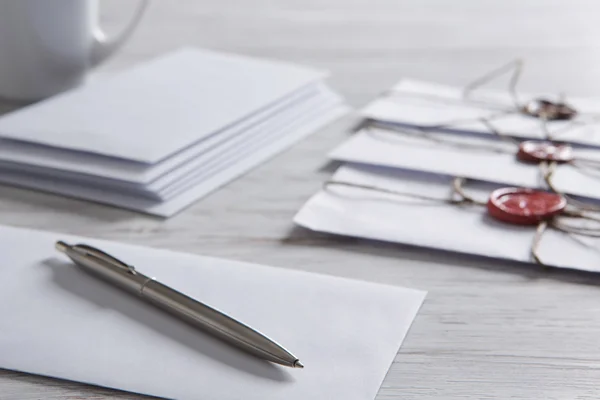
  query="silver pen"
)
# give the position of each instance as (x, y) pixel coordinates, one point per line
(194, 312)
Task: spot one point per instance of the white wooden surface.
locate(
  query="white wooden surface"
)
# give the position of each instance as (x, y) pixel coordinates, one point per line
(488, 330)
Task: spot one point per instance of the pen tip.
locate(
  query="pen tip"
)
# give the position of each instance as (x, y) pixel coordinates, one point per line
(298, 364)
(61, 246)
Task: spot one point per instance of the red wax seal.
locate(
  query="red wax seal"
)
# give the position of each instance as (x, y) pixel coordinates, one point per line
(550, 110)
(533, 151)
(524, 206)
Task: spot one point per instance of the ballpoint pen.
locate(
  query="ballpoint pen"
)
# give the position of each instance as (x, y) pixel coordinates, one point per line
(194, 312)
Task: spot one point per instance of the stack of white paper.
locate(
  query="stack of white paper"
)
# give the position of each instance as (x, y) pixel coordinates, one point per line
(400, 167)
(58, 321)
(161, 135)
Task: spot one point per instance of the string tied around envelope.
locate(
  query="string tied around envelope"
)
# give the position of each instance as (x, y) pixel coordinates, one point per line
(457, 196)
(547, 155)
(541, 108)
(515, 206)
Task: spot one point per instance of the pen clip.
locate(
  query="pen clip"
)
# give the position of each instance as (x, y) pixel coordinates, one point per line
(101, 255)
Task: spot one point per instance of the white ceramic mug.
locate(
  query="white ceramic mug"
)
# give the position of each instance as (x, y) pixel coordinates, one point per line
(48, 46)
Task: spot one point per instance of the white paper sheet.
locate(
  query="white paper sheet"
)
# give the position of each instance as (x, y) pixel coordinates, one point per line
(202, 186)
(415, 152)
(58, 321)
(427, 104)
(153, 110)
(370, 214)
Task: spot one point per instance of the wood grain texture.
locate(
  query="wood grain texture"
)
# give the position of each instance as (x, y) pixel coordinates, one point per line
(488, 329)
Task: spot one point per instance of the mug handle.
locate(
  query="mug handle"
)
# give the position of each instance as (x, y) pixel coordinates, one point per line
(104, 47)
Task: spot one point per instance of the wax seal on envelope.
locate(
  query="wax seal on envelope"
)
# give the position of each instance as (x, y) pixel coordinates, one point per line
(535, 151)
(524, 206)
(550, 110)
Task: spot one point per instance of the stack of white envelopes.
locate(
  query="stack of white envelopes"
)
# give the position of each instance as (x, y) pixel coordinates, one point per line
(492, 174)
(162, 134)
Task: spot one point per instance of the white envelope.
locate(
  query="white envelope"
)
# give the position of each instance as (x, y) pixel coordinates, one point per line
(392, 148)
(151, 111)
(222, 171)
(217, 147)
(62, 162)
(465, 229)
(428, 104)
(58, 321)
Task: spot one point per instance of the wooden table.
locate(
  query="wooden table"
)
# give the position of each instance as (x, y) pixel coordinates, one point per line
(487, 329)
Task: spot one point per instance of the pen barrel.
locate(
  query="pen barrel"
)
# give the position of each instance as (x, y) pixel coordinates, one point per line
(131, 282)
(216, 323)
